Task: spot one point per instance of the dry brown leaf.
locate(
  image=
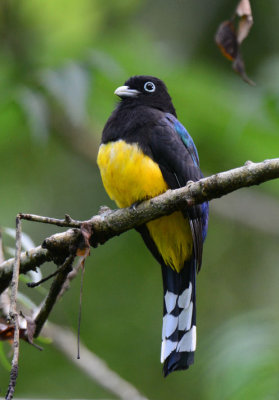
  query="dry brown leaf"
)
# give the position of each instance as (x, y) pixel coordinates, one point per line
(84, 245)
(26, 330)
(231, 34)
(239, 67)
(30, 330)
(244, 11)
(244, 27)
(226, 40)
(243, 8)
(6, 330)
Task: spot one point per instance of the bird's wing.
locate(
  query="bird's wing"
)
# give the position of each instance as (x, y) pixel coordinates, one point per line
(174, 150)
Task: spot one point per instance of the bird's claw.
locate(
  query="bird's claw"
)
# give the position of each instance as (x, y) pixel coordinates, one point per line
(134, 206)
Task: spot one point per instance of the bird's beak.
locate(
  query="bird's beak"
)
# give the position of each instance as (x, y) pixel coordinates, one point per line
(125, 91)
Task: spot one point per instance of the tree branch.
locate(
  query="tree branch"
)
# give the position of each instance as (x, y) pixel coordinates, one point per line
(110, 223)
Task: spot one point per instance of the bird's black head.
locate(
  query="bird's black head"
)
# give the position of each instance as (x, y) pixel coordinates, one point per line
(146, 90)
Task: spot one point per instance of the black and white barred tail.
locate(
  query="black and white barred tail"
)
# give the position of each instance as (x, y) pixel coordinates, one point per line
(179, 318)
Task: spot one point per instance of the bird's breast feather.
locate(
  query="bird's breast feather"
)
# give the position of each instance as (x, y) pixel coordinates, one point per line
(128, 174)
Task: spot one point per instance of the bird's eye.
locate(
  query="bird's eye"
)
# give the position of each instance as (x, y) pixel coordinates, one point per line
(149, 87)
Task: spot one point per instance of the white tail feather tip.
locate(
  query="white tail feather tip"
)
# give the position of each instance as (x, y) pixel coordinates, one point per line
(188, 341)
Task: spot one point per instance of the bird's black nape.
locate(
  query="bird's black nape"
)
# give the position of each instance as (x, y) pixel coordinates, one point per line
(152, 92)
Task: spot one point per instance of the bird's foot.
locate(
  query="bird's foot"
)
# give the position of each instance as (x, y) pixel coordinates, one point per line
(134, 206)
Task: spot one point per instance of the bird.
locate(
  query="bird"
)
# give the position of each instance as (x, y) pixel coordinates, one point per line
(145, 151)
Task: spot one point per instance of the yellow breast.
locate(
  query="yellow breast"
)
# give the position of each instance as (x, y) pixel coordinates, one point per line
(130, 176)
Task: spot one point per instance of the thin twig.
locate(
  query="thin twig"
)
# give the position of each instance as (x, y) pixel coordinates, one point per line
(66, 222)
(53, 293)
(38, 283)
(13, 315)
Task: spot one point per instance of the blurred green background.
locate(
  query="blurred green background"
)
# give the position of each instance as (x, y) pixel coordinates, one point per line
(60, 62)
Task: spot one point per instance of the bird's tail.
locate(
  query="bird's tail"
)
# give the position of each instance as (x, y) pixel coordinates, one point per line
(179, 317)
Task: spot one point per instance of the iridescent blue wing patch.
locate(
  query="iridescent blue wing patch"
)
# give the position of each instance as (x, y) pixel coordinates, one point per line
(185, 137)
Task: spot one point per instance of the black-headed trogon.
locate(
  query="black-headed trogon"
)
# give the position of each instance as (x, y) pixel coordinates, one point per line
(145, 151)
